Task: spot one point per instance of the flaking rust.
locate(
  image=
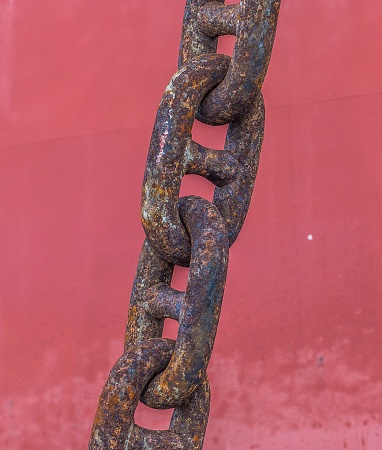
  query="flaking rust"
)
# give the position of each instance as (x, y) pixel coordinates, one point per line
(189, 231)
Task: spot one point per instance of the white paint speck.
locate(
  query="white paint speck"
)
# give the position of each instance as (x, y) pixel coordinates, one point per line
(163, 139)
(180, 71)
(310, 237)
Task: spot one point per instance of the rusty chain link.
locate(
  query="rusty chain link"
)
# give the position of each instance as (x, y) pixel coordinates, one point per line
(190, 231)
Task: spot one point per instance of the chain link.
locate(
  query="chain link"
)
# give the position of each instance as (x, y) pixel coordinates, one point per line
(190, 231)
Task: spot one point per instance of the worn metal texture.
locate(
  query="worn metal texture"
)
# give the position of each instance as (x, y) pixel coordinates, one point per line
(173, 154)
(190, 231)
(197, 312)
(255, 32)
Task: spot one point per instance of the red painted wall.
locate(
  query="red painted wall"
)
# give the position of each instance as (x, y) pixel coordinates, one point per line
(297, 362)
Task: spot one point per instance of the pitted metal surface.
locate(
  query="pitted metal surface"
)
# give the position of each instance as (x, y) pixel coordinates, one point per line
(190, 231)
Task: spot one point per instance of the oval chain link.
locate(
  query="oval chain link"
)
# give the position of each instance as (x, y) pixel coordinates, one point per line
(254, 24)
(189, 231)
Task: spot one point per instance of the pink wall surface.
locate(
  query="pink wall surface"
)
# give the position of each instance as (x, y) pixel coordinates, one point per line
(297, 362)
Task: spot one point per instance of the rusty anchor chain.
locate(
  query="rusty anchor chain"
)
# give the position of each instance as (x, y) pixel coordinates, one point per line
(190, 231)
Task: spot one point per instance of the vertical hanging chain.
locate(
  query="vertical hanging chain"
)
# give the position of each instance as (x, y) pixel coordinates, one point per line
(190, 231)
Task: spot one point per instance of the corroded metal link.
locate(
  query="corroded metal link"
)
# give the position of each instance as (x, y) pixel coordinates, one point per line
(119, 398)
(189, 231)
(152, 270)
(197, 310)
(187, 427)
(255, 32)
(114, 427)
(194, 41)
(168, 157)
(244, 140)
(173, 154)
